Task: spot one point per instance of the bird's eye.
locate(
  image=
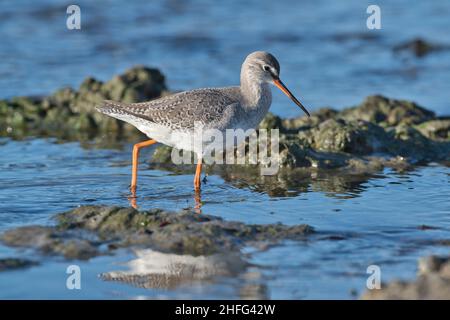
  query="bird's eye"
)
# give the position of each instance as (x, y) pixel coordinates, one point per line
(266, 68)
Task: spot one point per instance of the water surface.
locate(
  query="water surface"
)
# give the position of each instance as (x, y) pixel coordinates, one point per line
(328, 58)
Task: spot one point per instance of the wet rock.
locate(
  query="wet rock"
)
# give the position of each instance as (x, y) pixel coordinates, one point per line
(317, 117)
(399, 133)
(419, 47)
(70, 114)
(438, 129)
(338, 135)
(271, 121)
(433, 282)
(162, 155)
(8, 264)
(433, 264)
(80, 233)
(387, 112)
(379, 132)
(50, 241)
(409, 143)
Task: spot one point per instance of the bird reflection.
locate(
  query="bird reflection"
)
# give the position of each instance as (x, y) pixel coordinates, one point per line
(154, 269)
(198, 201)
(132, 199)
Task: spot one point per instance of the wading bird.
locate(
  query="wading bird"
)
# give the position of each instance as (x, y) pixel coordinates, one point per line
(170, 120)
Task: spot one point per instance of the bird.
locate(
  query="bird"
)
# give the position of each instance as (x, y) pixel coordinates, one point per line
(171, 119)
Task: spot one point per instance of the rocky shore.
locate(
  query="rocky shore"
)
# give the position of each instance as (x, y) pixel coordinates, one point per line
(70, 114)
(171, 248)
(345, 146)
(89, 231)
(378, 132)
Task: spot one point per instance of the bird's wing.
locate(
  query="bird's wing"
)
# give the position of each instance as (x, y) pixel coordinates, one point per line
(209, 107)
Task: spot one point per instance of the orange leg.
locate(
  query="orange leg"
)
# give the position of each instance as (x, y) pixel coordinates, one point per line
(198, 201)
(136, 149)
(198, 174)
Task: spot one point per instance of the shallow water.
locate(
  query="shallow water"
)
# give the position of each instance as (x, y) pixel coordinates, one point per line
(375, 222)
(327, 54)
(328, 57)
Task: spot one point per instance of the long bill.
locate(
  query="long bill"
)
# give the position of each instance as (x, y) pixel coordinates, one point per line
(286, 91)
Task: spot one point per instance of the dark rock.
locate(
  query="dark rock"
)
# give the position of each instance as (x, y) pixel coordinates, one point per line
(8, 264)
(387, 112)
(391, 132)
(80, 232)
(71, 115)
(50, 241)
(340, 136)
(399, 133)
(271, 121)
(438, 129)
(317, 117)
(419, 47)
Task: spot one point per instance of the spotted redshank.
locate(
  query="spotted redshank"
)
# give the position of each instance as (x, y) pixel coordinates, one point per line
(167, 120)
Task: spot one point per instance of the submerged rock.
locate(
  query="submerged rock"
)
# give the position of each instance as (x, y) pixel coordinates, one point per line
(419, 47)
(82, 233)
(70, 114)
(433, 282)
(8, 264)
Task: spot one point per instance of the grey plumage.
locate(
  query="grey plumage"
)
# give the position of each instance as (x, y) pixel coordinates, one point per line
(181, 110)
(239, 107)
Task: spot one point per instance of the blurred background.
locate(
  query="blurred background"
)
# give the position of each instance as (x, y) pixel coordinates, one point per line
(328, 56)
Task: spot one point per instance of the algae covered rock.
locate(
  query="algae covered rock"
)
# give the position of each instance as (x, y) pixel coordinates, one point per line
(71, 114)
(8, 264)
(303, 122)
(338, 135)
(50, 242)
(387, 112)
(83, 232)
(387, 128)
(438, 129)
(271, 121)
(390, 132)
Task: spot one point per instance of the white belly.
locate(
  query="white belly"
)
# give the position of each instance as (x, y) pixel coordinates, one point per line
(197, 142)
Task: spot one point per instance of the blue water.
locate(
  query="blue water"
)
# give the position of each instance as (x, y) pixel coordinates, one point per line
(197, 44)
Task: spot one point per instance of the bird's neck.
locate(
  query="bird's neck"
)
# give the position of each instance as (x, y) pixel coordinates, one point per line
(255, 94)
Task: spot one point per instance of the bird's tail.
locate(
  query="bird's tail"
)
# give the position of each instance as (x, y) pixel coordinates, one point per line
(111, 107)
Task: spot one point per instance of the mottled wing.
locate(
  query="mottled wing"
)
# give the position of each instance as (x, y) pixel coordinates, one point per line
(210, 107)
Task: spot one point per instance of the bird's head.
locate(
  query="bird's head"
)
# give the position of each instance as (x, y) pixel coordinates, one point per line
(263, 67)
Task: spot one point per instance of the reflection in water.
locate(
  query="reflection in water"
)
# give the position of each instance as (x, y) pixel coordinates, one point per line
(338, 183)
(386, 228)
(198, 201)
(132, 199)
(153, 269)
(334, 183)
